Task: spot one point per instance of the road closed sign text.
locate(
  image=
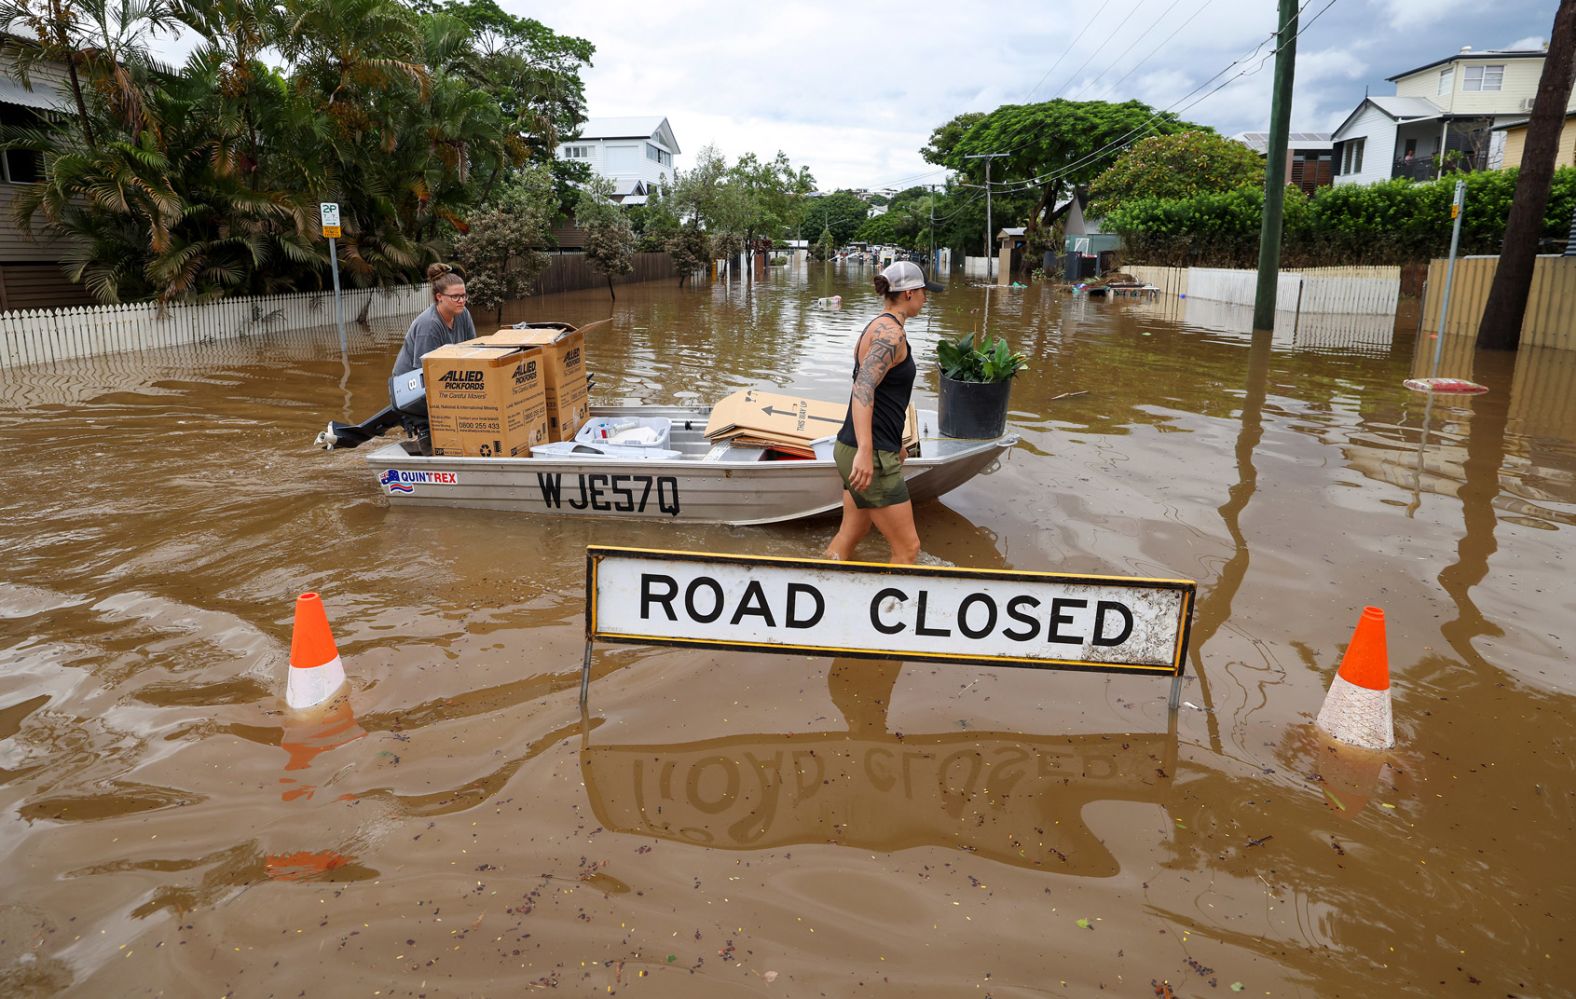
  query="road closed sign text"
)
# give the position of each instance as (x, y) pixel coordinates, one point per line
(931, 613)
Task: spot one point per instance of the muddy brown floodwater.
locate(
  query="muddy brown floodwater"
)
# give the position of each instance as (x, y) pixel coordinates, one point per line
(735, 825)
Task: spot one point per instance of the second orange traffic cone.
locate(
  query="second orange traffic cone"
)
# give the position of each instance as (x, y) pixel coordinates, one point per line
(315, 668)
(1357, 708)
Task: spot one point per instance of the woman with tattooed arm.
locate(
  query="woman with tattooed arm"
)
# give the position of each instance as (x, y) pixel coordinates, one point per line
(869, 449)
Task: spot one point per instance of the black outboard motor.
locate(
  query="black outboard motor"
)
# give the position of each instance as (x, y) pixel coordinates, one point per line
(407, 408)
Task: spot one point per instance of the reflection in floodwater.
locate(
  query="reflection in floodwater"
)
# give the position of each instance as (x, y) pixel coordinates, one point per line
(1013, 798)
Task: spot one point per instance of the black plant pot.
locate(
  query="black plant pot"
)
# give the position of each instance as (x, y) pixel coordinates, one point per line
(975, 410)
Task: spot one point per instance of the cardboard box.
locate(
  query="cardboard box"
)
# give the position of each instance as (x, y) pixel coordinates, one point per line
(562, 348)
(484, 402)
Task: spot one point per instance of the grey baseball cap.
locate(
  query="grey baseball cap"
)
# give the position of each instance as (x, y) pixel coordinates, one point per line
(905, 275)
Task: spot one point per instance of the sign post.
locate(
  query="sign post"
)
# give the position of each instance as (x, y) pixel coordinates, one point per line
(330, 212)
(753, 603)
(1456, 205)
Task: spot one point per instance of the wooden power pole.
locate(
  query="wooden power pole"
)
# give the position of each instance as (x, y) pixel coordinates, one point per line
(1275, 167)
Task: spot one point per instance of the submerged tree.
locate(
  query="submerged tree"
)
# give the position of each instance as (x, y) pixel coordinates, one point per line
(690, 250)
(501, 251)
(610, 239)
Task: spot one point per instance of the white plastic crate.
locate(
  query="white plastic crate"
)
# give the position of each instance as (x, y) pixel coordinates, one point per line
(627, 431)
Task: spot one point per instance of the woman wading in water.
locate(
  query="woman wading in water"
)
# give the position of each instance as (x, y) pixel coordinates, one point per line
(869, 449)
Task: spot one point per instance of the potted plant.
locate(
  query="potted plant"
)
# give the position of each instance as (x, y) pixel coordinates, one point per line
(975, 384)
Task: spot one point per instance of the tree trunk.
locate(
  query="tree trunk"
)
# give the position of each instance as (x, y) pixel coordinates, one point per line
(1507, 297)
(610, 292)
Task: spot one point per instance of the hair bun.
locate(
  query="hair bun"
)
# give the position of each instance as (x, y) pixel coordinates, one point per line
(435, 271)
(883, 286)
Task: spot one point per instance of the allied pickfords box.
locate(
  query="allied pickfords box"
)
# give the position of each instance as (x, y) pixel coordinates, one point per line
(562, 348)
(483, 402)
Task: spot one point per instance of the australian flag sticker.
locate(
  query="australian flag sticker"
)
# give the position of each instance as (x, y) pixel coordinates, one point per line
(390, 482)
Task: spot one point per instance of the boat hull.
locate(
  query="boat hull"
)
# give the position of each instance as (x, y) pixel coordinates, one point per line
(688, 489)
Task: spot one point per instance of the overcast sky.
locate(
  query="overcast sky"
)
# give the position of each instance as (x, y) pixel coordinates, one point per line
(853, 93)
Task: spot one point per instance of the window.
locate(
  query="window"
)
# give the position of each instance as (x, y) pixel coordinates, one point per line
(23, 166)
(658, 155)
(20, 166)
(1446, 79)
(1478, 78)
(577, 152)
(1352, 156)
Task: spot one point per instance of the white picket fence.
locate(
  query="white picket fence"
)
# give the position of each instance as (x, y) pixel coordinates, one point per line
(1350, 291)
(40, 336)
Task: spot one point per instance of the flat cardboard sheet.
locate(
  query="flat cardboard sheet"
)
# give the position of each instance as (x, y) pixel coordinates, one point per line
(757, 418)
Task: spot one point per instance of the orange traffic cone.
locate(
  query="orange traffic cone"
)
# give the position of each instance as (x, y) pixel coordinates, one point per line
(315, 669)
(1357, 708)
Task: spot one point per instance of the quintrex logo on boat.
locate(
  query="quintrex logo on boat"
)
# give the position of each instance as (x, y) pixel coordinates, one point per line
(396, 481)
(525, 372)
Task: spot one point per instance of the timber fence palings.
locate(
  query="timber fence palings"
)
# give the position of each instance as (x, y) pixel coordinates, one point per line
(42, 336)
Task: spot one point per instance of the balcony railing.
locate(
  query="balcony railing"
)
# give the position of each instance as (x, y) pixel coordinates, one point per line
(1427, 167)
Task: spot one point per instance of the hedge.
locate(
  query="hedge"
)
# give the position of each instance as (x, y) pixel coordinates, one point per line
(1394, 222)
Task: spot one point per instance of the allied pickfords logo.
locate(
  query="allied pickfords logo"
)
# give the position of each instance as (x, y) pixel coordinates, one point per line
(572, 357)
(465, 381)
(396, 481)
(525, 372)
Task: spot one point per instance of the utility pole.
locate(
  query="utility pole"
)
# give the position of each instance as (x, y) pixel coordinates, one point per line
(933, 230)
(1275, 167)
(987, 157)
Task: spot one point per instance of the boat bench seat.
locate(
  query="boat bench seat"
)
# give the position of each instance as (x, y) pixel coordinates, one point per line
(728, 451)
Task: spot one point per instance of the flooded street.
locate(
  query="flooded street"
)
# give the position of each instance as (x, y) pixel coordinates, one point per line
(724, 824)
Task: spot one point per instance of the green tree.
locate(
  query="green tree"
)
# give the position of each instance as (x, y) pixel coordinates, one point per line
(1176, 166)
(501, 249)
(610, 239)
(945, 138)
(1053, 147)
(841, 212)
(824, 247)
(690, 250)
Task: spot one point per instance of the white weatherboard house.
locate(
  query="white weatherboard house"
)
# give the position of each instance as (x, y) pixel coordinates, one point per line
(634, 153)
(1442, 116)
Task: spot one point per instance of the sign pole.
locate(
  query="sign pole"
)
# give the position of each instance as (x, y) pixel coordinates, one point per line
(585, 677)
(329, 210)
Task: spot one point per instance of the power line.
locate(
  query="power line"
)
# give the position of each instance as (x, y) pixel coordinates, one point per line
(1140, 130)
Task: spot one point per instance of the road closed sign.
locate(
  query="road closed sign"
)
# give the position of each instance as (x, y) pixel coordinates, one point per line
(927, 613)
(330, 213)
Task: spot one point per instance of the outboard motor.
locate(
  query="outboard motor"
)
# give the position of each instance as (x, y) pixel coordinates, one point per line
(407, 408)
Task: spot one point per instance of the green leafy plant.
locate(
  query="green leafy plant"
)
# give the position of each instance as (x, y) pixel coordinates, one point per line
(993, 361)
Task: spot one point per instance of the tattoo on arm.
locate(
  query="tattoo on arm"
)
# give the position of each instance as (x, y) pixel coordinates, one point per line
(879, 359)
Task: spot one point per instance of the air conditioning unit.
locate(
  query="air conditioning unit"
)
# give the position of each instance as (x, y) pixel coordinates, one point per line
(1526, 103)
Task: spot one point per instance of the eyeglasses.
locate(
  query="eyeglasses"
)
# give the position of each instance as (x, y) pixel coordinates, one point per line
(457, 298)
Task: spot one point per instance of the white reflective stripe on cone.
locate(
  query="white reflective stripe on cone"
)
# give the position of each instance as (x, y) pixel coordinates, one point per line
(312, 685)
(1358, 715)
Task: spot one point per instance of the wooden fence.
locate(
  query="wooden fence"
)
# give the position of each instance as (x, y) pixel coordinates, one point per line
(1349, 291)
(1550, 319)
(35, 336)
(572, 272)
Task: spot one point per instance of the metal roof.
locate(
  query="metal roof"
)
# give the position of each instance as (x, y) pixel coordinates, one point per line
(1484, 54)
(630, 128)
(43, 96)
(1259, 142)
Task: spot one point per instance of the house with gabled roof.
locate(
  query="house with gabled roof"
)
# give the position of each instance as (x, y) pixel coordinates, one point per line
(636, 154)
(1444, 115)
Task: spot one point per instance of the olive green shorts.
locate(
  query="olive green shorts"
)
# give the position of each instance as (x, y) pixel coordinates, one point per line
(887, 487)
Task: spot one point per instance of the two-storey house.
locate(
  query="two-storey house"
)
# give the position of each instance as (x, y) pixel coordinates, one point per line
(1443, 116)
(30, 273)
(636, 154)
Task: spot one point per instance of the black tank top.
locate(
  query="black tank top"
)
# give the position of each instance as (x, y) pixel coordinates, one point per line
(890, 406)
